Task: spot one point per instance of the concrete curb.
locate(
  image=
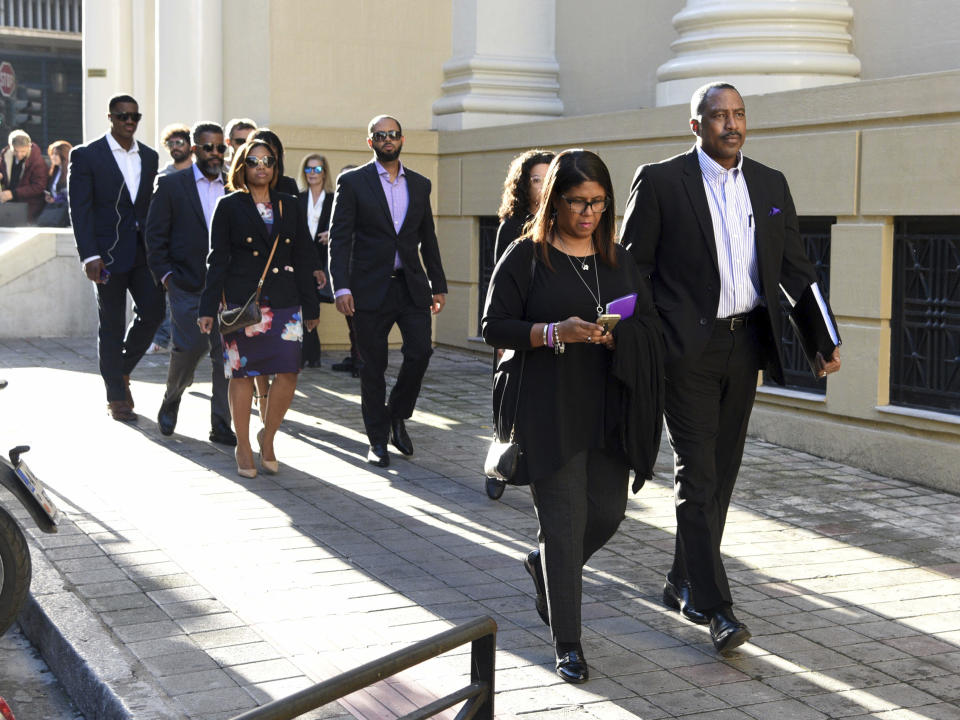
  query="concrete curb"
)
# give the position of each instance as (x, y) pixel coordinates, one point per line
(104, 679)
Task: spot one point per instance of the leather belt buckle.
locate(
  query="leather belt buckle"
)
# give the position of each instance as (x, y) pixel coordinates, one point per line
(397, 273)
(735, 321)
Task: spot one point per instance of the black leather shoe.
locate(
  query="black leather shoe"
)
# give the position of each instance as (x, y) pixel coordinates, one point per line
(535, 568)
(398, 436)
(494, 488)
(572, 667)
(678, 598)
(167, 417)
(345, 366)
(377, 455)
(220, 432)
(726, 631)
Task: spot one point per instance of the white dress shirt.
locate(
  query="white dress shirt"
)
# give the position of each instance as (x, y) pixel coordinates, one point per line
(314, 210)
(129, 163)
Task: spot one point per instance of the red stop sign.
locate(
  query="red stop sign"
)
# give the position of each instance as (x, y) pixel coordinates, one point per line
(8, 79)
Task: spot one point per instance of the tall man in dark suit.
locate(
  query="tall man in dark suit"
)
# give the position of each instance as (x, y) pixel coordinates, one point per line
(109, 187)
(178, 242)
(717, 235)
(381, 227)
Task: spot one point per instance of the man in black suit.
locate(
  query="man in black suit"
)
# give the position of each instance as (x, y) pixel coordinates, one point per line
(109, 186)
(381, 227)
(178, 241)
(717, 235)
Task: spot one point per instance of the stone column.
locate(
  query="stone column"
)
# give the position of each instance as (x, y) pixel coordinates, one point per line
(504, 68)
(107, 60)
(760, 46)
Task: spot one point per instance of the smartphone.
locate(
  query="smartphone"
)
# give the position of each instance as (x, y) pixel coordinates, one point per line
(608, 320)
(104, 276)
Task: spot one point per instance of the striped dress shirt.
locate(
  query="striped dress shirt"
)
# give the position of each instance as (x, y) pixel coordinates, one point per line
(734, 231)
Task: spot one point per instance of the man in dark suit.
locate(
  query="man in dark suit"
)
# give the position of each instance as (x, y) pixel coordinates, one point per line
(717, 235)
(178, 241)
(381, 227)
(109, 187)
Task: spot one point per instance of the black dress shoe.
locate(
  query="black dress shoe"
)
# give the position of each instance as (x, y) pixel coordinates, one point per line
(377, 455)
(345, 366)
(167, 417)
(678, 598)
(572, 667)
(535, 568)
(221, 433)
(494, 487)
(398, 436)
(726, 631)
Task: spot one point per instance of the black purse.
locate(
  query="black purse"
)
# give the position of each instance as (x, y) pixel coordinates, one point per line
(249, 313)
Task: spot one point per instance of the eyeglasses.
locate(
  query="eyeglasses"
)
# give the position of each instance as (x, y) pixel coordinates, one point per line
(210, 147)
(315, 169)
(124, 116)
(579, 205)
(268, 161)
(175, 142)
(237, 142)
(381, 135)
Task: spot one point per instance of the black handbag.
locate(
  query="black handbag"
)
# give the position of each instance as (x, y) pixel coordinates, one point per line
(249, 313)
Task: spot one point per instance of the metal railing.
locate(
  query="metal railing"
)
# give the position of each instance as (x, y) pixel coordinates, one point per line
(477, 696)
(59, 15)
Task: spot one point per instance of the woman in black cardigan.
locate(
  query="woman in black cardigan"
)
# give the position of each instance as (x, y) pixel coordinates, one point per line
(246, 225)
(544, 300)
(316, 203)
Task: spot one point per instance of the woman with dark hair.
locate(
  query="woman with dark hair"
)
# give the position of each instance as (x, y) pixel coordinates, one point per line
(285, 184)
(316, 202)
(545, 301)
(521, 196)
(256, 227)
(55, 212)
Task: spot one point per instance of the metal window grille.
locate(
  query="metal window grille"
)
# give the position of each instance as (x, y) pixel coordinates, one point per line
(58, 15)
(925, 322)
(815, 234)
(488, 225)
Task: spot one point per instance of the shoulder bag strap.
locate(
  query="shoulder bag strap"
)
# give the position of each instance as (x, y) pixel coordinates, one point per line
(266, 268)
(523, 356)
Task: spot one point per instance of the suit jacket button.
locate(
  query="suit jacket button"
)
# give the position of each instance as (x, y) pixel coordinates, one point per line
(256, 252)
(276, 270)
(287, 241)
(703, 321)
(249, 239)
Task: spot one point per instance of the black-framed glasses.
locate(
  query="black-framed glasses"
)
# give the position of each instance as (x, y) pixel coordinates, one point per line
(580, 205)
(210, 147)
(175, 142)
(381, 135)
(316, 169)
(124, 116)
(268, 161)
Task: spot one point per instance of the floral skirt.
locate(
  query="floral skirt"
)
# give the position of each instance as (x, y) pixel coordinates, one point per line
(272, 346)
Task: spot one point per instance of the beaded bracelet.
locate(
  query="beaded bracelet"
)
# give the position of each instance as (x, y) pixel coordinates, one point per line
(558, 346)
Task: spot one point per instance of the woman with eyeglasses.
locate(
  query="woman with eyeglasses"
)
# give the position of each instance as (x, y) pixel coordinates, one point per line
(547, 302)
(249, 225)
(316, 202)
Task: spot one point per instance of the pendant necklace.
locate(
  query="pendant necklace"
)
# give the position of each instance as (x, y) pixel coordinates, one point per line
(585, 266)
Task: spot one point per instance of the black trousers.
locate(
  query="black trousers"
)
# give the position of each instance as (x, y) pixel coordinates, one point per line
(188, 347)
(372, 328)
(707, 410)
(579, 509)
(120, 350)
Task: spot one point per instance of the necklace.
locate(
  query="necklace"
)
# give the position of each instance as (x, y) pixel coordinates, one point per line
(584, 266)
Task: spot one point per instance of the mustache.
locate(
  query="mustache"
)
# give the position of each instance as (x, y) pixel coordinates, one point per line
(731, 135)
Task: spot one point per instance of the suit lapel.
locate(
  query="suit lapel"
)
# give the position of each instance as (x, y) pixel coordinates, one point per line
(190, 188)
(250, 208)
(412, 197)
(760, 207)
(693, 184)
(376, 187)
(148, 172)
(110, 162)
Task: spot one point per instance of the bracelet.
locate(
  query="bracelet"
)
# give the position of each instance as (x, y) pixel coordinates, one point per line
(548, 334)
(546, 326)
(558, 346)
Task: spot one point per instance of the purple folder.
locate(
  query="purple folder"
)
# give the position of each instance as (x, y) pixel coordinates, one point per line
(623, 306)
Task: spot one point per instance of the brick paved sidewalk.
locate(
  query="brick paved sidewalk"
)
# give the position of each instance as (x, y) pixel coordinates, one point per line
(220, 593)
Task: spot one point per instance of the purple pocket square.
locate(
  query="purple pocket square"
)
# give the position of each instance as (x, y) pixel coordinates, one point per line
(774, 211)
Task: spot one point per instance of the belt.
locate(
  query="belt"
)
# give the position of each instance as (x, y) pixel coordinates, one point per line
(735, 321)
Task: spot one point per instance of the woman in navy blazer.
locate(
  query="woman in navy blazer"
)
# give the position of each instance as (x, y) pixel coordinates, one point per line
(316, 203)
(247, 224)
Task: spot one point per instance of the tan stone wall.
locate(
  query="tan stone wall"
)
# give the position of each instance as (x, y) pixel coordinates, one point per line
(863, 152)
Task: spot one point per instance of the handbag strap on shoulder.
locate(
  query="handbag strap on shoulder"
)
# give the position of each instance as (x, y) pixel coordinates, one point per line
(523, 355)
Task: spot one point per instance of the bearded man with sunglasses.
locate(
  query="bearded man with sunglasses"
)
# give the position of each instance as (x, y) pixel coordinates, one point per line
(178, 232)
(109, 185)
(382, 226)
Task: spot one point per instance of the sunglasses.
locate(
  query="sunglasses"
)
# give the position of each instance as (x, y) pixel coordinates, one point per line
(318, 169)
(124, 116)
(210, 147)
(175, 142)
(268, 161)
(382, 135)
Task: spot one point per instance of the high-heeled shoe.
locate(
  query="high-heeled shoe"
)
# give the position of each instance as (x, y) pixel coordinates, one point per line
(244, 472)
(270, 467)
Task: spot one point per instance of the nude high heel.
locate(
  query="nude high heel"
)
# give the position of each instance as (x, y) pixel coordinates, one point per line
(244, 472)
(270, 467)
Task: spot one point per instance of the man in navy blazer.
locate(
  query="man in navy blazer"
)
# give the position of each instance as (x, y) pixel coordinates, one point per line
(178, 242)
(717, 235)
(109, 186)
(381, 227)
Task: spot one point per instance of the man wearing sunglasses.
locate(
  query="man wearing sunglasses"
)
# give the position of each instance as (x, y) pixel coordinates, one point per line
(178, 230)
(176, 139)
(109, 186)
(382, 226)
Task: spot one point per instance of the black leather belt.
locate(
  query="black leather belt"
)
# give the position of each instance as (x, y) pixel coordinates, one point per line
(735, 321)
